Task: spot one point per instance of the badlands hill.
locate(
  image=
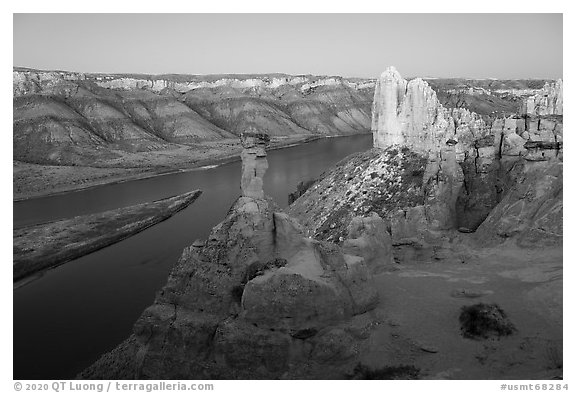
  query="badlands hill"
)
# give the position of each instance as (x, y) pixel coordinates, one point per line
(116, 126)
(68, 118)
(83, 119)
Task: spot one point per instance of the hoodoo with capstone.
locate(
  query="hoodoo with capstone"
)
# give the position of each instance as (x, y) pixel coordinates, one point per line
(254, 163)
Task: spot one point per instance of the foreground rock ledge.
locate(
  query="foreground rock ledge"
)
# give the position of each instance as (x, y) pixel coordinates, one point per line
(257, 299)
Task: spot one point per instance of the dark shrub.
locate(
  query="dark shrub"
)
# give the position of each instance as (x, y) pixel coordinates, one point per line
(362, 371)
(483, 320)
(305, 333)
(301, 188)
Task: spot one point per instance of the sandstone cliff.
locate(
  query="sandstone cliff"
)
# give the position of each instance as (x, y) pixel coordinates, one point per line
(547, 101)
(530, 214)
(421, 148)
(433, 168)
(409, 114)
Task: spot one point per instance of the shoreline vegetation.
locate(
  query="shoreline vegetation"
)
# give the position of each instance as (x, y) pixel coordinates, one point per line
(36, 181)
(44, 246)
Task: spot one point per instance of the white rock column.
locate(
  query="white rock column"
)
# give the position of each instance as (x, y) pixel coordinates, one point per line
(388, 97)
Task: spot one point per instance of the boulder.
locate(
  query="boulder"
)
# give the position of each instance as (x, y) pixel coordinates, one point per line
(513, 145)
(407, 223)
(368, 238)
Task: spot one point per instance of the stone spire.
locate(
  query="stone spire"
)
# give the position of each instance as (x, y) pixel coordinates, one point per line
(254, 162)
(388, 97)
(408, 114)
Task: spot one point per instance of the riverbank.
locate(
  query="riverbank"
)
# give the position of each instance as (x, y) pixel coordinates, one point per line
(34, 181)
(48, 245)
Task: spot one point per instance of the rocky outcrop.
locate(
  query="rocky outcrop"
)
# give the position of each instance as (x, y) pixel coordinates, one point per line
(254, 163)
(548, 101)
(385, 182)
(410, 115)
(370, 202)
(433, 168)
(530, 214)
(257, 299)
(26, 81)
(526, 125)
(537, 133)
(368, 238)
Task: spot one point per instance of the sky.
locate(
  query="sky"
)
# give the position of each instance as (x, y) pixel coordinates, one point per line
(354, 45)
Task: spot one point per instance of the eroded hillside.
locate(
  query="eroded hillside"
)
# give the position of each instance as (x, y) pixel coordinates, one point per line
(66, 118)
(140, 125)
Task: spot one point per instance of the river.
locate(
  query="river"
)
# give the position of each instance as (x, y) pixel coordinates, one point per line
(69, 316)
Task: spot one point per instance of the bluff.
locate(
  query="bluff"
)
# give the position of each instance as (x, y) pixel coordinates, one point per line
(530, 214)
(67, 118)
(416, 169)
(432, 169)
(489, 98)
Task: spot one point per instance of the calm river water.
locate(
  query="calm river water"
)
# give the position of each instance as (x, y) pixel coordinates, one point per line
(68, 317)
